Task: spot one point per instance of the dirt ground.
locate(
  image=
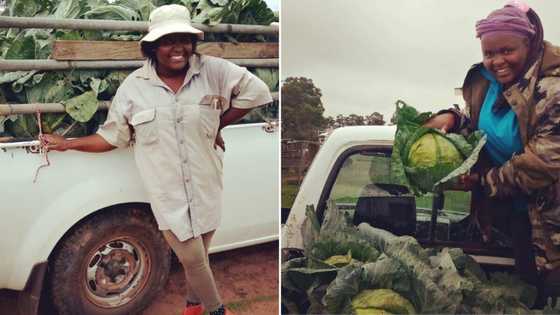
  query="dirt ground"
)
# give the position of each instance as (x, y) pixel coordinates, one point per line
(247, 280)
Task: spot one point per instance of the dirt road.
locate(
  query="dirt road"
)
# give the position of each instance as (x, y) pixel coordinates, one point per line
(247, 279)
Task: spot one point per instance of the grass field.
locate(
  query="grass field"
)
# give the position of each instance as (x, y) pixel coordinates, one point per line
(458, 201)
(359, 171)
(289, 192)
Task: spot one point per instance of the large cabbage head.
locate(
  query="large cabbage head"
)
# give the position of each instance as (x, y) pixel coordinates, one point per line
(339, 260)
(430, 158)
(423, 157)
(381, 301)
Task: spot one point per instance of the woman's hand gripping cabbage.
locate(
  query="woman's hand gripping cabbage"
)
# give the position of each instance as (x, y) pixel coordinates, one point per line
(426, 157)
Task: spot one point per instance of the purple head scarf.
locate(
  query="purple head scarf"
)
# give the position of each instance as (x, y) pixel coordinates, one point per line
(509, 19)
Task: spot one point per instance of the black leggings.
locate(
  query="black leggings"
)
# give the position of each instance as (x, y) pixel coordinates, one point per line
(520, 231)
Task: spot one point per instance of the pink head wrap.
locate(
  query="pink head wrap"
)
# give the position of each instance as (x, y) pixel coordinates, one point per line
(510, 19)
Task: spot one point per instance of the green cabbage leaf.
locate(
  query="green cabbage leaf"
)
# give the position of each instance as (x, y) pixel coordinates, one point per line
(399, 277)
(423, 158)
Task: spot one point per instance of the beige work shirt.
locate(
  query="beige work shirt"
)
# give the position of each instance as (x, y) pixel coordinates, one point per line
(174, 137)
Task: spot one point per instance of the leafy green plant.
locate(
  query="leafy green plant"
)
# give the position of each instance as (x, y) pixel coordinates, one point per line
(402, 277)
(369, 301)
(423, 157)
(330, 246)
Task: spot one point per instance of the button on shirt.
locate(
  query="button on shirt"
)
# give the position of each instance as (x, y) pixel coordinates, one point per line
(174, 137)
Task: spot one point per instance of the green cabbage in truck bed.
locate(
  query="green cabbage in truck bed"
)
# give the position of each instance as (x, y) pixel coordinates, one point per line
(381, 301)
(422, 158)
(429, 281)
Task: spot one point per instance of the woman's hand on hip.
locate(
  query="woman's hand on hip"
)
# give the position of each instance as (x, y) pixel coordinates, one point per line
(219, 141)
(443, 122)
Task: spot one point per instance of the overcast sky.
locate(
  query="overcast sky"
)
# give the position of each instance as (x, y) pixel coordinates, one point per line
(364, 55)
(272, 4)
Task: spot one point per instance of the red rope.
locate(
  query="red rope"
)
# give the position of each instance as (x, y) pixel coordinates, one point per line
(42, 147)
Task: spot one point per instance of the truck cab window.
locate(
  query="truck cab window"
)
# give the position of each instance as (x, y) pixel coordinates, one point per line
(356, 176)
(365, 190)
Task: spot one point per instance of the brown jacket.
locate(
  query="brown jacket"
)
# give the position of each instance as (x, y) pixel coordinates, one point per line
(535, 172)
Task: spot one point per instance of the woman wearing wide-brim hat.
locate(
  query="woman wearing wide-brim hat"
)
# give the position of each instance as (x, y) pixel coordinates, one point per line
(177, 103)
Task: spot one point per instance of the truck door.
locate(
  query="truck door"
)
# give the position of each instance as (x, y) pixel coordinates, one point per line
(251, 179)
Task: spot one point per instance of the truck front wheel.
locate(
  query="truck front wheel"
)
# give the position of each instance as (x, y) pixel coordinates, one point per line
(113, 263)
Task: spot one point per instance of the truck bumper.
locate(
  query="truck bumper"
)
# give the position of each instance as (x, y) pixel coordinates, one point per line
(28, 299)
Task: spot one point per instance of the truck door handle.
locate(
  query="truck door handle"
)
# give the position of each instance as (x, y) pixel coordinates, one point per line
(270, 126)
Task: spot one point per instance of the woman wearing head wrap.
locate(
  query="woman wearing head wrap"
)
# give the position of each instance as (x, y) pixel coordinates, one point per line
(176, 104)
(513, 96)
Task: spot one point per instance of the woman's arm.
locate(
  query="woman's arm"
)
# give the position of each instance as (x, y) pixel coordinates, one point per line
(450, 120)
(444, 122)
(229, 117)
(539, 164)
(247, 92)
(115, 131)
(232, 115)
(93, 143)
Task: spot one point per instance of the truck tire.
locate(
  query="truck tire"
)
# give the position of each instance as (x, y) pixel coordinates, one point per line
(111, 264)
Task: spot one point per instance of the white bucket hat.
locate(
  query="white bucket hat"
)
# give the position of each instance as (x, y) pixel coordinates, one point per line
(167, 19)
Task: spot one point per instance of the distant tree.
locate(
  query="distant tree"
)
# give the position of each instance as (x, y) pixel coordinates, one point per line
(302, 109)
(375, 119)
(354, 120)
(330, 122)
(340, 120)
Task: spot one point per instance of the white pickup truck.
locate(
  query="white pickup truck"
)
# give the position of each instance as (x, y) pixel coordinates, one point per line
(85, 232)
(352, 167)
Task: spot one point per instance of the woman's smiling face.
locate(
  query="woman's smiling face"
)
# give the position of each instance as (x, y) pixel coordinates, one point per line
(173, 52)
(505, 55)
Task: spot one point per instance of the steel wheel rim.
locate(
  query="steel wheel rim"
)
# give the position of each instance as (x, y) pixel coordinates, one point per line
(115, 272)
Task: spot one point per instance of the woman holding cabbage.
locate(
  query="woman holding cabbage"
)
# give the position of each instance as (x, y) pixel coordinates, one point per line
(513, 96)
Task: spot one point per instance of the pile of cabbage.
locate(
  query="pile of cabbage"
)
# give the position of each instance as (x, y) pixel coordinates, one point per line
(365, 270)
(425, 159)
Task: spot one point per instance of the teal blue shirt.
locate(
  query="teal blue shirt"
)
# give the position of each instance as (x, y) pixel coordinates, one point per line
(501, 127)
(502, 131)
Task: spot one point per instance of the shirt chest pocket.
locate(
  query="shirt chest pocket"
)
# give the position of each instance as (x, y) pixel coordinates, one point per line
(145, 127)
(209, 122)
(202, 120)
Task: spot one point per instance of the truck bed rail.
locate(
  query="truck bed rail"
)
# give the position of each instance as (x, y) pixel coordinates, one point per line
(134, 26)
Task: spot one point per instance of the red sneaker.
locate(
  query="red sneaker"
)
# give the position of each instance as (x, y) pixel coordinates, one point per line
(194, 310)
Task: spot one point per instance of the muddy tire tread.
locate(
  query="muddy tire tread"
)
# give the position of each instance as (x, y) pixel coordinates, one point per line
(63, 256)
